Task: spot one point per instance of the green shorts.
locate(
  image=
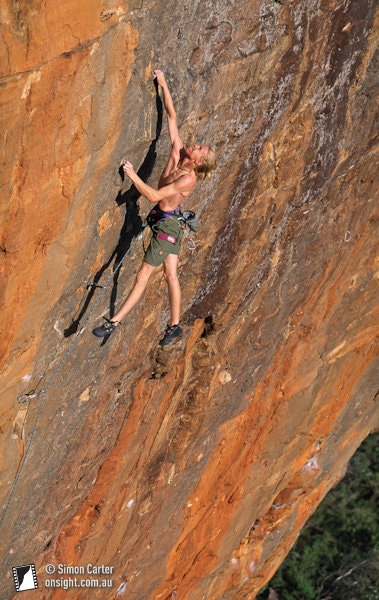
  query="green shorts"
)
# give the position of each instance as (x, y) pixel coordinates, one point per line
(159, 249)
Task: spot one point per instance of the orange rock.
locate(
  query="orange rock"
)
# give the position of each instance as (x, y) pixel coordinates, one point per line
(190, 470)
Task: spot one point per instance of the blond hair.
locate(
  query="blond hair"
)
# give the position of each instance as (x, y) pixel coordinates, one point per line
(208, 164)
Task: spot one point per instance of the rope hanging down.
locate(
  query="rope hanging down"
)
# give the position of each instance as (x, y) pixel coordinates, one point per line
(44, 392)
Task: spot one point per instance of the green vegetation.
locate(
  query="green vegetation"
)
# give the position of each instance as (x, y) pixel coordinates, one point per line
(336, 557)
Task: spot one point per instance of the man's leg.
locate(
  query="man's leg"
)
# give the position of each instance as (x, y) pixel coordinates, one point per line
(138, 289)
(170, 265)
(173, 331)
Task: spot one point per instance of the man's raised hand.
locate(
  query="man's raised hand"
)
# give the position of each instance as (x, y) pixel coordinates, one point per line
(160, 76)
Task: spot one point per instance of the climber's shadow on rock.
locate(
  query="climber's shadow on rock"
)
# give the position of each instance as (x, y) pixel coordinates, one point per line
(131, 228)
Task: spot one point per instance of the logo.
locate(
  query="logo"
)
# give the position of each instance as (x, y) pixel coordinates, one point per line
(25, 578)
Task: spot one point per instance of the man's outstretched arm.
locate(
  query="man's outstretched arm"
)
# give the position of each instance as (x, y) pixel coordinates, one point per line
(183, 184)
(169, 107)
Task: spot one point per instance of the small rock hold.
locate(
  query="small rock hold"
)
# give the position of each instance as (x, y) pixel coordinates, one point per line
(224, 377)
(107, 14)
(347, 27)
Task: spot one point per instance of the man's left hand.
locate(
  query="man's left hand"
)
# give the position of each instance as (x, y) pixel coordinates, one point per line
(128, 168)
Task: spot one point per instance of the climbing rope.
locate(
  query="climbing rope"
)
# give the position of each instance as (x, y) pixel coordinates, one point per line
(43, 393)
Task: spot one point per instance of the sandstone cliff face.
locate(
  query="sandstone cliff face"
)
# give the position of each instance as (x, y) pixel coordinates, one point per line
(190, 471)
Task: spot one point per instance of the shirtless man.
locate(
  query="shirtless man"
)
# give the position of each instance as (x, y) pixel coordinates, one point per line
(184, 167)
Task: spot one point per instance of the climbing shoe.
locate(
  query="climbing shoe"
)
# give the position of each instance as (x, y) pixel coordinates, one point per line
(106, 329)
(173, 332)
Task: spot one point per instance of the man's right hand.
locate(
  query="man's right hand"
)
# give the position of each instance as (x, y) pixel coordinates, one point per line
(160, 76)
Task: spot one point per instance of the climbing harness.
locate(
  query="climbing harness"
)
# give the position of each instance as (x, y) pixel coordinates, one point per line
(167, 237)
(43, 393)
(156, 214)
(185, 219)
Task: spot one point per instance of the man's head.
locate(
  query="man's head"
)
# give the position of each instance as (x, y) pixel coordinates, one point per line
(203, 158)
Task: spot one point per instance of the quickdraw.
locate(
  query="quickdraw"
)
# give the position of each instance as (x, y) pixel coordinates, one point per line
(185, 219)
(191, 244)
(29, 396)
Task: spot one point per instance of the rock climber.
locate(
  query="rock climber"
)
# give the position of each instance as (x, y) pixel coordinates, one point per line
(184, 167)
